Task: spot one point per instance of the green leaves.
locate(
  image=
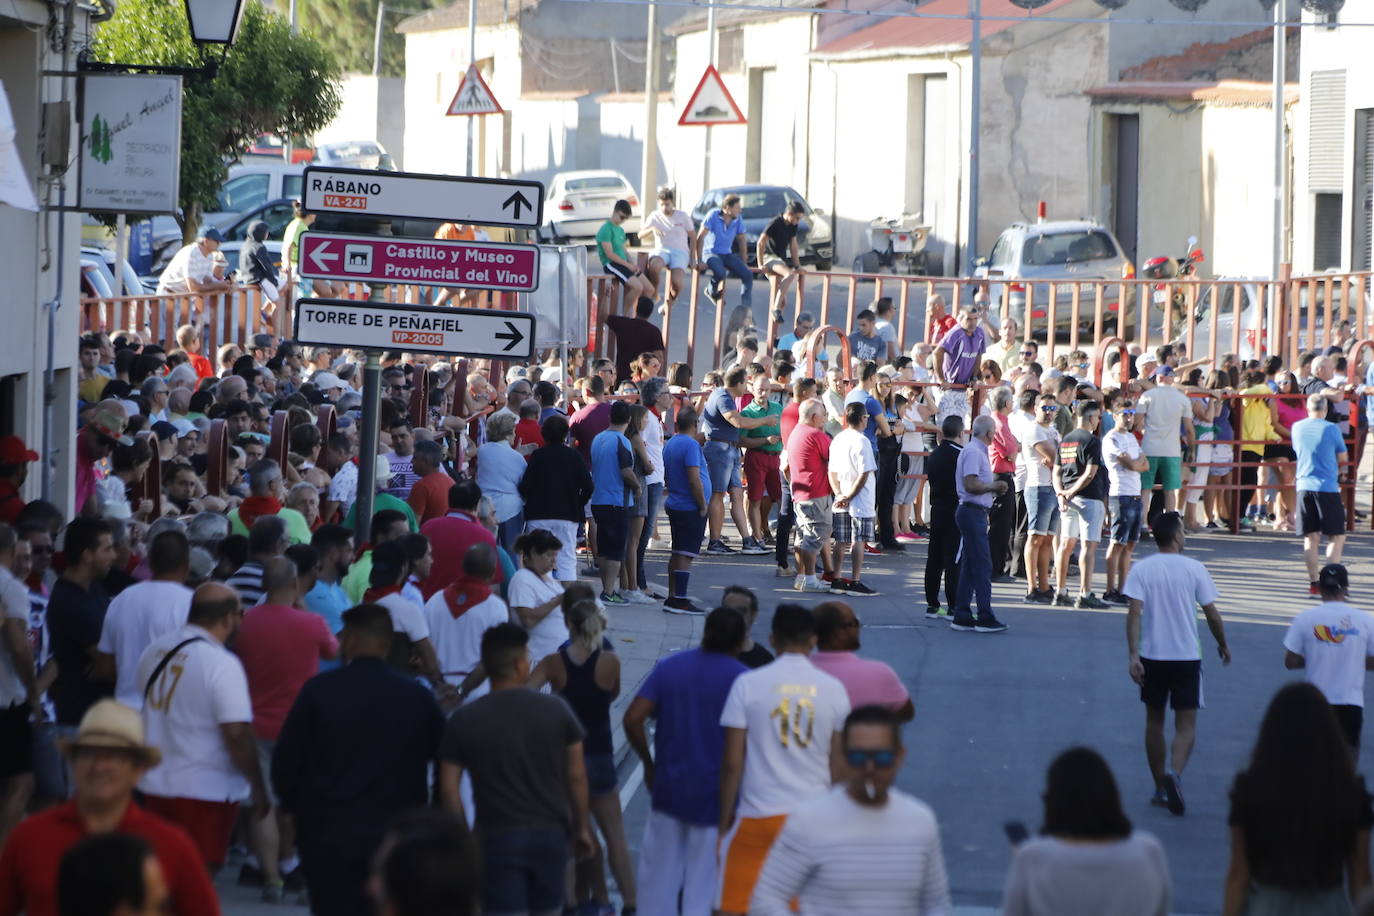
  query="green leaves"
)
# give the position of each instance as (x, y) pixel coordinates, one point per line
(270, 82)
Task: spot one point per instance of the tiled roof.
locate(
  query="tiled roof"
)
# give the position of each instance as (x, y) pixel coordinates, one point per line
(1244, 93)
(909, 33)
(455, 15)
(695, 21)
(1247, 56)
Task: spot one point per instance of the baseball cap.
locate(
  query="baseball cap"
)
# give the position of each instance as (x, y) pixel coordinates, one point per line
(263, 342)
(110, 423)
(212, 235)
(164, 430)
(110, 724)
(327, 381)
(183, 426)
(516, 372)
(14, 451)
(1163, 370)
(1333, 576)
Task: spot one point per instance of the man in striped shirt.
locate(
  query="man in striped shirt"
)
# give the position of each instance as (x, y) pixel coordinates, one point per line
(863, 847)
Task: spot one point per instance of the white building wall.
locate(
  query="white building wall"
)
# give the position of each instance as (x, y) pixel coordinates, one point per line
(622, 142)
(29, 264)
(373, 109)
(1331, 49)
(1237, 192)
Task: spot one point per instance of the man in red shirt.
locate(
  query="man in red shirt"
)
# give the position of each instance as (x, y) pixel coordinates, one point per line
(429, 496)
(188, 338)
(808, 459)
(15, 458)
(108, 758)
(802, 391)
(451, 536)
(1002, 455)
(281, 647)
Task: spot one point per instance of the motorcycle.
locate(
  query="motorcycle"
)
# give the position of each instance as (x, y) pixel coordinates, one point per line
(1166, 268)
(895, 244)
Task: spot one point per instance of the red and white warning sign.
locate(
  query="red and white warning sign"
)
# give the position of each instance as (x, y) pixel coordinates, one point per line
(473, 96)
(711, 103)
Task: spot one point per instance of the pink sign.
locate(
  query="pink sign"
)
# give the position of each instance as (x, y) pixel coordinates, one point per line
(424, 262)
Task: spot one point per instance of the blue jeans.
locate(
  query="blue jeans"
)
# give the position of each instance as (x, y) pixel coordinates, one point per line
(523, 870)
(975, 565)
(508, 531)
(721, 265)
(653, 500)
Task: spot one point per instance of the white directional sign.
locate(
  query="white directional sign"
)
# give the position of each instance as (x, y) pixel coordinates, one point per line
(415, 328)
(410, 195)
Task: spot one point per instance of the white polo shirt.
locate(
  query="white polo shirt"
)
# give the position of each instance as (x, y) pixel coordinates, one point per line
(406, 616)
(458, 640)
(202, 688)
(1334, 639)
(136, 617)
(789, 710)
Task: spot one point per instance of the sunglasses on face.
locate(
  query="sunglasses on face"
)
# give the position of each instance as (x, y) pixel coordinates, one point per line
(883, 760)
(1049, 408)
(1027, 352)
(1128, 411)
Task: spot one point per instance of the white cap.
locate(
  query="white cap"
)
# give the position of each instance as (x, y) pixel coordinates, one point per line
(327, 381)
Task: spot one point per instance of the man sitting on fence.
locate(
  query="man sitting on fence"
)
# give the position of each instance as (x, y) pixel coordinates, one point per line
(192, 269)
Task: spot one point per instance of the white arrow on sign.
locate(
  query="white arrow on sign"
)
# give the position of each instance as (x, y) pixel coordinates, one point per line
(321, 255)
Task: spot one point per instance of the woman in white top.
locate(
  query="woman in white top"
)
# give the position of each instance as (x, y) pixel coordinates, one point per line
(128, 463)
(654, 394)
(535, 596)
(1087, 858)
(499, 469)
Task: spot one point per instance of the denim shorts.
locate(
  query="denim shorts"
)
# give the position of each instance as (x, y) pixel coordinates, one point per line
(723, 464)
(1083, 519)
(1042, 510)
(523, 870)
(601, 775)
(1125, 511)
(673, 258)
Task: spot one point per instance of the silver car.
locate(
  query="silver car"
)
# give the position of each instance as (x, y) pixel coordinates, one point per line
(578, 203)
(1049, 259)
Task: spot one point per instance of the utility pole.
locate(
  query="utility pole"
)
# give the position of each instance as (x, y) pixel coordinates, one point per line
(472, 61)
(648, 183)
(377, 42)
(710, 59)
(1280, 68)
(975, 129)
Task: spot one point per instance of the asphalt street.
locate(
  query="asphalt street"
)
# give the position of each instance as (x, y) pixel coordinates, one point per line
(993, 710)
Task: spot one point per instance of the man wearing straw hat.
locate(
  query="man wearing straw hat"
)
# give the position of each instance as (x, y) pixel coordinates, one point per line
(108, 757)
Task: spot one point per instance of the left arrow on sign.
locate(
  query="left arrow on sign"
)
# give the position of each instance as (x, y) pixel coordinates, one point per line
(513, 334)
(321, 255)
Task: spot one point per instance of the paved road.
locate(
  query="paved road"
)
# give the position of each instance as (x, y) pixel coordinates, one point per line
(993, 710)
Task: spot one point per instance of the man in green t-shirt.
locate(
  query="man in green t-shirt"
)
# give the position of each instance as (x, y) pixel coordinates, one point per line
(762, 456)
(610, 248)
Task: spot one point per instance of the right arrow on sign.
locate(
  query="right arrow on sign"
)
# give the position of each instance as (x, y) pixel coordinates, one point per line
(515, 202)
(512, 333)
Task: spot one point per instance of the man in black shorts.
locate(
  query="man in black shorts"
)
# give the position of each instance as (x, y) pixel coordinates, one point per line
(1320, 451)
(1164, 592)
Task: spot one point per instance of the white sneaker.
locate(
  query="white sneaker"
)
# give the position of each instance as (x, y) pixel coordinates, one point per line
(799, 583)
(812, 584)
(635, 596)
(656, 544)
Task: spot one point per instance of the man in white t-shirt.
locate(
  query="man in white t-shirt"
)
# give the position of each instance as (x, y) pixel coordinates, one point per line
(192, 269)
(390, 569)
(674, 244)
(853, 467)
(460, 613)
(1164, 592)
(197, 710)
(1125, 461)
(782, 725)
(141, 613)
(1334, 642)
(1163, 411)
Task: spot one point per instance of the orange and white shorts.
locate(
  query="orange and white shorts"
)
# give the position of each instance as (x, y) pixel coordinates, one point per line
(742, 854)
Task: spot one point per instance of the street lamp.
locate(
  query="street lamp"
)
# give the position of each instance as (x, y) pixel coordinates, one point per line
(214, 21)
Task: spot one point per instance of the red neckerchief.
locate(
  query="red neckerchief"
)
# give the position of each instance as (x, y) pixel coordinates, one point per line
(376, 593)
(466, 593)
(255, 507)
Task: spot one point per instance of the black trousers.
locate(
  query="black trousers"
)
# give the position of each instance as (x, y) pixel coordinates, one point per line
(787, 517)
(889, 450)
(940, 560)
(1001, 523)
(337, 866)
(1018, 539)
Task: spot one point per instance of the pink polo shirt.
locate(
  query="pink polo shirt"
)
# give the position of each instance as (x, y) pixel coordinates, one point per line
(1002, 452)
(868, 682)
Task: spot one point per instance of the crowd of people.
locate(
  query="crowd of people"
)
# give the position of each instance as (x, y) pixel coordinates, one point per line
(239, 669)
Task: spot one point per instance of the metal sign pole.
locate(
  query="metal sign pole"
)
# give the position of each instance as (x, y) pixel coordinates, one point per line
(562, 319)
(367, 445)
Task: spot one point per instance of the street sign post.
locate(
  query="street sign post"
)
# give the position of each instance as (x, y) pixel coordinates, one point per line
(425, 262)
(369, 325)
(412, 195)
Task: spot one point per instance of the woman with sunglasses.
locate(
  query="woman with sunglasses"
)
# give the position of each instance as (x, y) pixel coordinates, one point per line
(1206, 406)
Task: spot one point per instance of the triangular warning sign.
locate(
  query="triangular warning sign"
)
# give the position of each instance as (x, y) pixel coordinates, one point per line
(711, 103)
(473, 96)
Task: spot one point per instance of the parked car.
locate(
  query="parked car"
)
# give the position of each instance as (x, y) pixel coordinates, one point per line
(274, 147)
(577, 203)
(1054, 255)
(759, 203)
(277, 214)
(98, 274)
(356, 154)
(250, 184)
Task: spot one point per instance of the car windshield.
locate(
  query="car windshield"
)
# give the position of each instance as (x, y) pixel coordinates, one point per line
(765, 203)
(1067, 248)
(600, 183)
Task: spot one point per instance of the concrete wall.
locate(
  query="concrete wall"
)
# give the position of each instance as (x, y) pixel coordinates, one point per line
(1331, 49)
(29, 263)
(1174, 29)
(622, 142)
(373, 109)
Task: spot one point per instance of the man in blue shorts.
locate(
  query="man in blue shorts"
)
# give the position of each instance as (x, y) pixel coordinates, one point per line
(688, 486)
(721, 423)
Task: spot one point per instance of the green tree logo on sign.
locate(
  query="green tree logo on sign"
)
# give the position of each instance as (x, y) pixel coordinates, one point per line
(100, 140)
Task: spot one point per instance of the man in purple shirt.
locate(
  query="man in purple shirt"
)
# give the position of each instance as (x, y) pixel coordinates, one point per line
(956, 361)
(976, 484)
(591, 420)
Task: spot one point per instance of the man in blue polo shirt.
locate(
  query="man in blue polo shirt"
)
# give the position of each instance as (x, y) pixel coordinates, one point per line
(725, 244)
(863, 393)
(721, 423)
(1320, 448)
(613, 480)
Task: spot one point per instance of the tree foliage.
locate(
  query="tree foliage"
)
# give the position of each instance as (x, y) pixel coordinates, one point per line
(348, 28)
(271, 81)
